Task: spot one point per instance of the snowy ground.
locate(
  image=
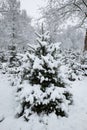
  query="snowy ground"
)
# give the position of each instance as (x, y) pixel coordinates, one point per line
(77, 119)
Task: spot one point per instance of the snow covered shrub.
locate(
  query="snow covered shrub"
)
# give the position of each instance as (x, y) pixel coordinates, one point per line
(84, 58)
(72, 60)
(42, 90)
(3, 60)
(3, 57)
(13, 60)
(84, 63)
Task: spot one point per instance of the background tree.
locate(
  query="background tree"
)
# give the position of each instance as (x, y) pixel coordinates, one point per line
(62, 10)
(16, 25)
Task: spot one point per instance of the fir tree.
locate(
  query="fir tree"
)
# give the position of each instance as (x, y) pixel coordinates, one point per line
(46, 91)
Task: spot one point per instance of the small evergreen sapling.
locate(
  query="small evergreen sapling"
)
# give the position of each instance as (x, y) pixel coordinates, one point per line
(12, 55)
(75, 63)
(13, 59)
(45, 91)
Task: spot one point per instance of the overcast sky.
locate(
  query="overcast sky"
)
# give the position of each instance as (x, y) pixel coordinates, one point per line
(32, 6)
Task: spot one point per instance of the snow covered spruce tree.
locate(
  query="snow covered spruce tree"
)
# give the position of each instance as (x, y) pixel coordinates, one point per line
(71, 60)
(42, 90)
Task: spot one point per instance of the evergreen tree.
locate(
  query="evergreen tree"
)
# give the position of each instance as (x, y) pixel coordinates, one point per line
(46, 91)
(76, 64)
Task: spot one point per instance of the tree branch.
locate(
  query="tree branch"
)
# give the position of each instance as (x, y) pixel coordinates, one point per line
(77, 5)
(31, 47)
(84, 3)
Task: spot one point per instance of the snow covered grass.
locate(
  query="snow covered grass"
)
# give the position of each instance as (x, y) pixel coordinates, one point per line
(75, 121)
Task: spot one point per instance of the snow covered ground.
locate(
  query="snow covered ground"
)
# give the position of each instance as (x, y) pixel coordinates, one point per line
(6, 98)
(77, 119)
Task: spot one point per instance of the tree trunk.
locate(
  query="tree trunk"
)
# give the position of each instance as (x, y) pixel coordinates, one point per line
(85, 42)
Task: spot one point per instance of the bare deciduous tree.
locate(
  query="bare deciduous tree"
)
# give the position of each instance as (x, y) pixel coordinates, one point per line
(60, 10)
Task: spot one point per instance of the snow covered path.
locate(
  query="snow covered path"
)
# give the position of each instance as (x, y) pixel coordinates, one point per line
(77, 119)
(6, 98)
